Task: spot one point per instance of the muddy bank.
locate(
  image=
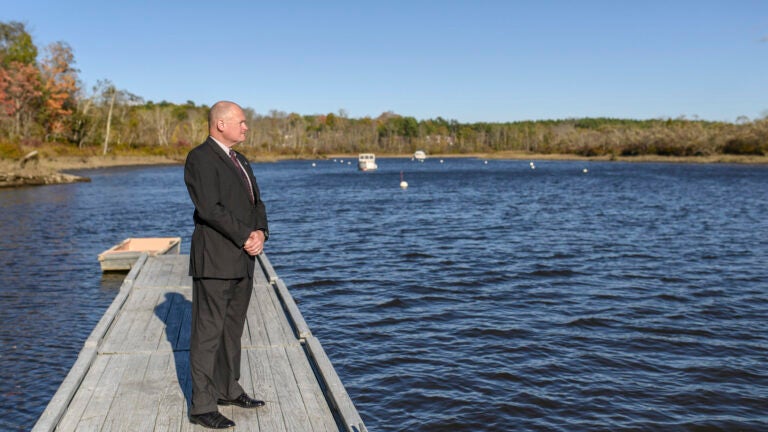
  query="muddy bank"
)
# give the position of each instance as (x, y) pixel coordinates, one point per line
(15, 179)
(90, 162)
(51, 170)
(33, 173)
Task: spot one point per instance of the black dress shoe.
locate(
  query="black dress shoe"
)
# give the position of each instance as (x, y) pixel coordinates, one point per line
(243, 401)
(212, 420)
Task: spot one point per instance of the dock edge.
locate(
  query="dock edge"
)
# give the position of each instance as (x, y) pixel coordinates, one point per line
(334, 389)
(58, 404)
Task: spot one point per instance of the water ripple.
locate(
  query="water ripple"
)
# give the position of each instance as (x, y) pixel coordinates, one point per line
(483, 297)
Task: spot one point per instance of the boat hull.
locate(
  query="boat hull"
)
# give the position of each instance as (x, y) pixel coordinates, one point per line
(366, 162)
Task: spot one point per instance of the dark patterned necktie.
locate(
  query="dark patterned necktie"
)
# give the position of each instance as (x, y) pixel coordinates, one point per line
(243, 176)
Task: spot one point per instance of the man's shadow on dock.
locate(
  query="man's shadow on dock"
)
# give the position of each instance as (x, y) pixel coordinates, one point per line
(176, 313)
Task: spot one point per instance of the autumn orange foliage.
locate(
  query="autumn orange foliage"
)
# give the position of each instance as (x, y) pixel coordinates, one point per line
(59, 86)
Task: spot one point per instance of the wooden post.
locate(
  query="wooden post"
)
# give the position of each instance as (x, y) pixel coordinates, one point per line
(109, 119)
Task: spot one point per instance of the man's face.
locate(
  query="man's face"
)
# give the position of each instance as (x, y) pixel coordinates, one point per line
(233, 127)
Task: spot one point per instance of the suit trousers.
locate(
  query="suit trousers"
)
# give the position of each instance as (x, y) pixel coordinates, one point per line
(219, 308)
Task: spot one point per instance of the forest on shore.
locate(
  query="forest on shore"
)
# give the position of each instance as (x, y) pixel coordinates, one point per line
(45, 107)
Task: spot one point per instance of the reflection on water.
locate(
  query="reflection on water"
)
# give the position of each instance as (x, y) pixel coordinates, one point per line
(483, 297)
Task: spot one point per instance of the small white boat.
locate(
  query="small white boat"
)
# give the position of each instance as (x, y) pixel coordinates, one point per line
(366, 162)
(419, 155)
(123, 255)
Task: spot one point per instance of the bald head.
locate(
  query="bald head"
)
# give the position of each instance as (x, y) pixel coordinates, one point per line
(221, 110)
(226, 123)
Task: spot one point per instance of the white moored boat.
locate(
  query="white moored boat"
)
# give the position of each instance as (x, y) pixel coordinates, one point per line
(366, 162)
(419, 155)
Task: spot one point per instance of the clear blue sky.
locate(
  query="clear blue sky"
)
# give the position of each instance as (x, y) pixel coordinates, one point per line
(467, 60)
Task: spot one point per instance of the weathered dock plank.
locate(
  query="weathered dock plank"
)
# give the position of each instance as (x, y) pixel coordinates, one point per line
(312, 397)
(133, 371)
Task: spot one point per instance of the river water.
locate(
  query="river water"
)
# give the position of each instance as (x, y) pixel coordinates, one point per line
(484, 297)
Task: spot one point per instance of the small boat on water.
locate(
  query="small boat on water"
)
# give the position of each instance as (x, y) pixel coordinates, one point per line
(419, 155)
(366, 162)
(123, 255)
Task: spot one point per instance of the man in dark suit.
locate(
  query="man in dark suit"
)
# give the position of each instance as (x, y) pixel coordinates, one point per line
(230, 230)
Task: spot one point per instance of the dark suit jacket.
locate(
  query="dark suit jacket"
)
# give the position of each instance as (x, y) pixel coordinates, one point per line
(224, 215)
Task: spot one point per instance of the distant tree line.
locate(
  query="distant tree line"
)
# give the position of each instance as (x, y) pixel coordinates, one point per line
(43, 104)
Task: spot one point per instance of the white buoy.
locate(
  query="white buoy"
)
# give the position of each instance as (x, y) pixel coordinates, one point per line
(403, 183)
(441, 161)
(532, 165)
(586, 170)
(485, 162)
(314, 164)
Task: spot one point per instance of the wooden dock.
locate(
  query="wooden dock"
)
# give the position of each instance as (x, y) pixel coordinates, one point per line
(133, 371)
